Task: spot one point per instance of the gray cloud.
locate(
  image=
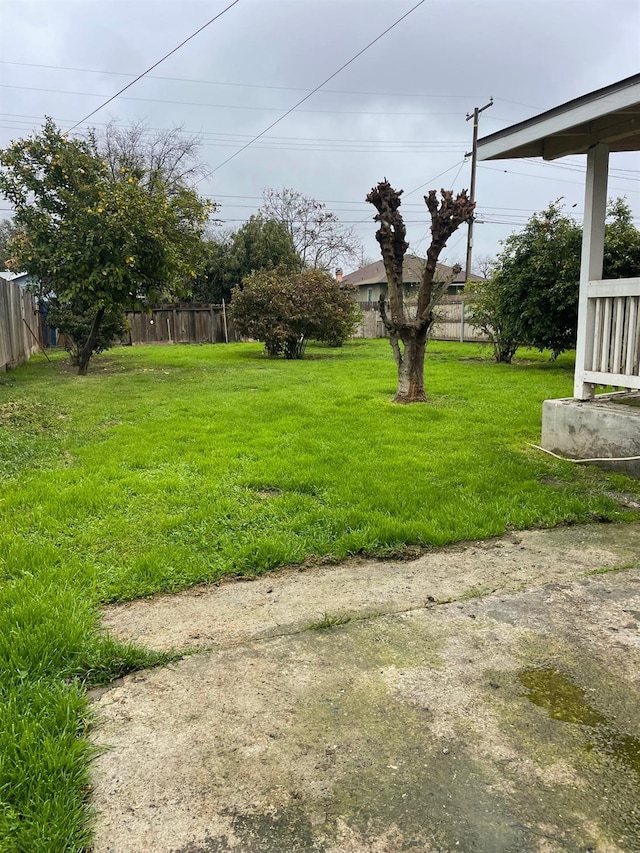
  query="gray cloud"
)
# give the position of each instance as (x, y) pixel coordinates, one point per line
(398, 111)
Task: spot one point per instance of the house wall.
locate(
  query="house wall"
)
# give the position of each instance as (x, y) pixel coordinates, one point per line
(369, 293)
(17, 308)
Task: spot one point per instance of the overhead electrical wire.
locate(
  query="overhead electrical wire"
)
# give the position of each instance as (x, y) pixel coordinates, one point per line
(435, 178)
(205, 133)
(545, 178)
(312, 92)
(258, 85)
(155, 64)
(220, 106)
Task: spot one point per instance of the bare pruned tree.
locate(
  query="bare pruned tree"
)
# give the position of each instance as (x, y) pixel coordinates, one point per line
(319, 238)
(167, 154)
(484, 265)
(409, 335)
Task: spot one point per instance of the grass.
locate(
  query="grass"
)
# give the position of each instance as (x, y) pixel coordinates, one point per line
(329, 620)
(170, 466)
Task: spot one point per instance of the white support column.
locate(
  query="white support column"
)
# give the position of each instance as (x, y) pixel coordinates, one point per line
(595, 211)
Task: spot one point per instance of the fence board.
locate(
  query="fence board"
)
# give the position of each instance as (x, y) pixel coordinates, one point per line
(180, 324)
(450, 325)
(16, 342)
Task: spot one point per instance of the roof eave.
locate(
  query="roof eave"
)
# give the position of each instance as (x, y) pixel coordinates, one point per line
(610, 115)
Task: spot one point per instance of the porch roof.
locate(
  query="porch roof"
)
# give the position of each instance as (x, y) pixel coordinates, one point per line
(610, 115)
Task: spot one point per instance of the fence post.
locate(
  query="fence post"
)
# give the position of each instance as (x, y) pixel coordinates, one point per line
(224, 323)
(462, 321)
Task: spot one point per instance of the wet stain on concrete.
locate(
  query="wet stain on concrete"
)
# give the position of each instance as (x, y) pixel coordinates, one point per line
(565, 701)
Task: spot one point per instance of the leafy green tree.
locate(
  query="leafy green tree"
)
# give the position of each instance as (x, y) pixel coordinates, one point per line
(259, 244)
(7, 232)
(287, 309)
(621, 242)
(537, 275)
(484, 310)
(531, 298)
(94, 243)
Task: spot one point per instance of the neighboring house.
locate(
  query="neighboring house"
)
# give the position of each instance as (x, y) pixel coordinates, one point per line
(46, 335)
(21, 278)
(370, 282)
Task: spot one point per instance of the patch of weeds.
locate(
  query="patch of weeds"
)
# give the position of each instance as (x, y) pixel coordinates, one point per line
(476, 592)
(329, 620)
(110, 659)
(606, 570)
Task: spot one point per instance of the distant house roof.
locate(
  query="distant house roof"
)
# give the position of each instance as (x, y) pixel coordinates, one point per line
(411, 273)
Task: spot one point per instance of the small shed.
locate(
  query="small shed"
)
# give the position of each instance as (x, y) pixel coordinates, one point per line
(608, 334)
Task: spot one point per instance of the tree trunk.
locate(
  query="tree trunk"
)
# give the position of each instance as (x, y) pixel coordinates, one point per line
(87, 349)
(411, 368)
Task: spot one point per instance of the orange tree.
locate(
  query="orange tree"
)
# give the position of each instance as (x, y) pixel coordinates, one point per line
(94, 243)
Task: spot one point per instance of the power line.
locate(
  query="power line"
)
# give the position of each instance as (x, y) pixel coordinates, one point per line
(203, 133)
(435, 178)
(251, 85)
(155, 64)
(217, 106)
(545, 178)
(313, 91)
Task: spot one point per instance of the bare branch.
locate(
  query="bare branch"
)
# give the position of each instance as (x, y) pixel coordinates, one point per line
(167, 155)
(391, 235)
(382, 308)
(319, 238)
(446, 216)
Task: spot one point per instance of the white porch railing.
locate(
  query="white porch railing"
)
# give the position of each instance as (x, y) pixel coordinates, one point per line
(613, 318)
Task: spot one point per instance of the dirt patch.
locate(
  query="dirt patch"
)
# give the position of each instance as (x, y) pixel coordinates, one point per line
(285, 602)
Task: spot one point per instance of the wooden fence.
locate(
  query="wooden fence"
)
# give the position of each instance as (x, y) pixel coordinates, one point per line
(452, 324)
(18, 312)
(181, 324)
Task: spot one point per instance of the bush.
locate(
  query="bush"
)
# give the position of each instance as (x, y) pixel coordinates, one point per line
(531, 298)
(287, 309)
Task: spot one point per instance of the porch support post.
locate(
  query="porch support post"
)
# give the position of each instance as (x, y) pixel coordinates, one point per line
(595, 211)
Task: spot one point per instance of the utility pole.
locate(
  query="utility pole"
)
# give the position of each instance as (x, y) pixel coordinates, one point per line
(475, 115)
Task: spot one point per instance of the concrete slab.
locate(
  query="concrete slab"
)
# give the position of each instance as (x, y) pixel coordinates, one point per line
(505, 722)
(604, 428)
(287, 601)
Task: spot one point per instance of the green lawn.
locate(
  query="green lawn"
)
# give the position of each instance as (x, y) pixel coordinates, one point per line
(169, 466)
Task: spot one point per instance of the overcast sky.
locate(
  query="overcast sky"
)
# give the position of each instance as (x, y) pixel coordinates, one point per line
(398, 111)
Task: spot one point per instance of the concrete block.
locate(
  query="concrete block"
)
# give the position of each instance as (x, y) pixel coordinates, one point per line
(602, 428)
